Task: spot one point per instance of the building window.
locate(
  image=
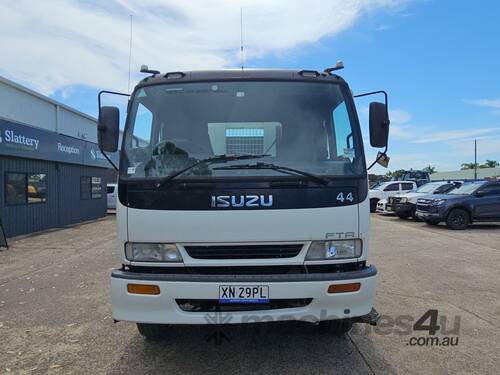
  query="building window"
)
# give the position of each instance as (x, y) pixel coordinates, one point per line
(23, 188)
(96, 188)
(37, 188)
(90, 187)
(15, 188)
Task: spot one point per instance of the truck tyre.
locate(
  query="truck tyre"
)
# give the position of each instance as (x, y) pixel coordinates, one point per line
(457, 219)
(335, 327)
(373, 205)
(153, 332)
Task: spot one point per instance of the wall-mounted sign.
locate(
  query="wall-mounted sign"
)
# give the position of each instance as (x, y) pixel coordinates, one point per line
(29, 142)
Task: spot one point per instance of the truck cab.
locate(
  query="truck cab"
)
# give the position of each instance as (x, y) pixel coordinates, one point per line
(243, 193)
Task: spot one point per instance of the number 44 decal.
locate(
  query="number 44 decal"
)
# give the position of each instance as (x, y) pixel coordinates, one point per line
(348, 197)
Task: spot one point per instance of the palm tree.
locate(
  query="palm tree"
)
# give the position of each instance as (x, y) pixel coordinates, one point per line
(430, 169)
(468, 166)
(491, 164)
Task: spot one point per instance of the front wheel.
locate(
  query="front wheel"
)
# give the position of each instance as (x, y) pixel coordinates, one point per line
(335, 327)
(457, 219)
(153, 332)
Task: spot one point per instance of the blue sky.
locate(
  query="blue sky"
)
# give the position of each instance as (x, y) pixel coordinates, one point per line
(438, 60)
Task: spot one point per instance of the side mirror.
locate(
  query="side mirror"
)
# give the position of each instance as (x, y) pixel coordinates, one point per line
(379, 125)
(108, 128)
(480, 193)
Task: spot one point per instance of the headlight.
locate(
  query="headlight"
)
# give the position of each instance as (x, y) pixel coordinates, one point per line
(403, 200)
(341, 249)
(438, 202)
(152, 252)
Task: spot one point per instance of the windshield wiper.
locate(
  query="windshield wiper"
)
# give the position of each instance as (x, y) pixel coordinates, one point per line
(278, 168)
(211, 160)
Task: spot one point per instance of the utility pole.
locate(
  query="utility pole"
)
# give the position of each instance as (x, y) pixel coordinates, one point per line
(475, 159)
(129, 56)
(241, 37)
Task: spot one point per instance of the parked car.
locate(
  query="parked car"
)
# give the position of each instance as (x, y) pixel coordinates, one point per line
(475, 201)
(383, 208)
(112, 190)
(385, 189)
(405, 205)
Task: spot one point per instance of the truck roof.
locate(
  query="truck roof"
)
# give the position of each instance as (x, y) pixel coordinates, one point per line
(240, 74)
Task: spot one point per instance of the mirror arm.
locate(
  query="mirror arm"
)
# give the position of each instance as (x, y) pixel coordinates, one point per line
(382, 154)
(99, 127)
(108, 92)
(386, 98)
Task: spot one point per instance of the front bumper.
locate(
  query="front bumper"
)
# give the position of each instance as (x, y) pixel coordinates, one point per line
(163, 308)
(437, 213)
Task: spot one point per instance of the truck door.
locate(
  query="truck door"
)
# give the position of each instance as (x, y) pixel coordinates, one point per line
(487, 205)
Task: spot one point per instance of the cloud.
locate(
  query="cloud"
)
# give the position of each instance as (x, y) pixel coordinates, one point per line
(57, 43)
(455, 135)
(489, 103)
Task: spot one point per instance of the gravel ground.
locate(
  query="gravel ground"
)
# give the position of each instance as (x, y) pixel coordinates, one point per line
(55, 314)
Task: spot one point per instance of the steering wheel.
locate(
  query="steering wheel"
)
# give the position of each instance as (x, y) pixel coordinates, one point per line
(174, 146)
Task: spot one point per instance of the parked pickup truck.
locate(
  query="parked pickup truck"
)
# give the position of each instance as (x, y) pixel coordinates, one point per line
(383, 190)
(404, 205)
(475, 201)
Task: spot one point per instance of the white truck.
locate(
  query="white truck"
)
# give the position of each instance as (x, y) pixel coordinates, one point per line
(247, 196)
(379, 193)
(112, 193)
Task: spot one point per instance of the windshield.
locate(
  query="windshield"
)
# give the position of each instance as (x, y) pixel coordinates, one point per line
(306, 126)
(466, 188)
(427, 188)
(377, 186)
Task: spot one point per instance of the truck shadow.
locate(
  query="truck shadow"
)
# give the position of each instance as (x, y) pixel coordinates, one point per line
(258, 348)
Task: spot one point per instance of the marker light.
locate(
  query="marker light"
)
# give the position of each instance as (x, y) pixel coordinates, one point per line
(143, 289)
(344, 288)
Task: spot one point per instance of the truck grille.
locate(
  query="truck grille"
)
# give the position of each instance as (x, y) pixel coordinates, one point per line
(427, 208)
(243, 251)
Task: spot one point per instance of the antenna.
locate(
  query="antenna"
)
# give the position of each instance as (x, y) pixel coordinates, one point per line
(241, 37)
(129, 55)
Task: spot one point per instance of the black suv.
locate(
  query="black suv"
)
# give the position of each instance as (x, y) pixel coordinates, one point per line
(475, 201)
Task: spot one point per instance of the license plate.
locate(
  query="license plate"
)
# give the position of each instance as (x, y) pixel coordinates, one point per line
(243, 293)
(388, 208)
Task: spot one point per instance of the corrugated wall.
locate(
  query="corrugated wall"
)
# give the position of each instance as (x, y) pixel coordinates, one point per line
(63, 205)
(72, 208)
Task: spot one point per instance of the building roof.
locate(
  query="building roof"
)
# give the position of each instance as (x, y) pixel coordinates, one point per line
(467, 174)
(28, 91)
